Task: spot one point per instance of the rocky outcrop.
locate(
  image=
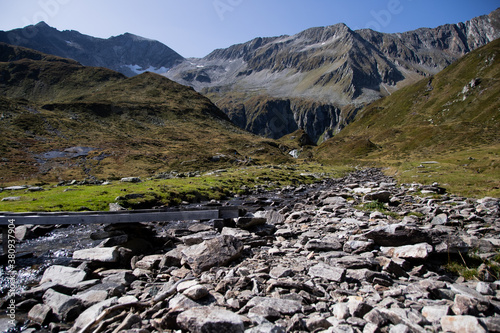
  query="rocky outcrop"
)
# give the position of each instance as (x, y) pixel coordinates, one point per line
(304, 259)
(275, 117)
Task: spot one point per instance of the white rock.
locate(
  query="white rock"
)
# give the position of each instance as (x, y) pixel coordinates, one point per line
(66, 276)
(435, 313)
(461, 324)
(417, 251)
(100, 254)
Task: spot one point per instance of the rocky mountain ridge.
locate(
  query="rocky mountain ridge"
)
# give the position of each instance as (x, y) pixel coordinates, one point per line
(331, 65)
(454, 110)
(322, 73)
(127, 53)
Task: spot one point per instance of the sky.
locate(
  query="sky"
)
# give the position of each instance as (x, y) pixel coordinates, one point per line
(194, 28)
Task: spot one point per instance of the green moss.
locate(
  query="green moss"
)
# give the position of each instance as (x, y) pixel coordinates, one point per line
(169, 192)
(374, 205)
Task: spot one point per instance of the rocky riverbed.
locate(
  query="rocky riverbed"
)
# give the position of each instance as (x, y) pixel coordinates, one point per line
(357, 254)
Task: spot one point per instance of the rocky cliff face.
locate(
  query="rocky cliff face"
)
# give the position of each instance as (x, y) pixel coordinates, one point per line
(127, 53)
(276, 117)
(334, 65)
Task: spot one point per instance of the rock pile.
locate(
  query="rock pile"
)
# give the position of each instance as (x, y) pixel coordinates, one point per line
(305, 259)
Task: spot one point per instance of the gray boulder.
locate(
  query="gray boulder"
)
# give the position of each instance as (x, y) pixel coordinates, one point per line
(398, 235)
(327, 272)
(380, 196)
(65, 307)
(66, 276)
(328, 243)
(40, 313)
(88, 316)
(461, 324)
(210, 320)
(214, 252)
(283, 306)
(99, 254)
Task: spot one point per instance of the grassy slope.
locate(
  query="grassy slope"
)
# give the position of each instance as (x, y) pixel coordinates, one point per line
(433, 119)
(138, 126)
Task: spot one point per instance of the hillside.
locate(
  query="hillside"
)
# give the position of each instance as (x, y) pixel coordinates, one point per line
(334, 66)
(452, 116)
(127, 53)
(61, 120)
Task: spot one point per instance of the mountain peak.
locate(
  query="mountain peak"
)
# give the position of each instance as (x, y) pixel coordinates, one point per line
(42, 24)
(135, 37)
(128, 53)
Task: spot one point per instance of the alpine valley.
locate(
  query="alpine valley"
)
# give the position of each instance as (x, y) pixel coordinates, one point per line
(327, 94)
(315, 80)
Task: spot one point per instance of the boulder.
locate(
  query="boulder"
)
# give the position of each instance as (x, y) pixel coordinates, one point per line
(88, 316)
(280, 272)
(91, 297)
(66, 276)
(466, 305)
(329, 243)
(358, 246)
(65, 307)
(417, 252)
(40, 314)
(398, 235)
(440, 219)
(11, 199)
(341, 311)
(214, 252)
(123, 277)
(249, 221)
(492, 324)
(434, 313)
(283, 306)
(210, 319)
(131, 180)
(99, 254)
(196, 292)
(327, 272)
(334, 201)
(461, 324)
(316, 323)
(180, 303)
(149, 262)
(484, 288)
(380, 196)
(24, 232)
(198, 237)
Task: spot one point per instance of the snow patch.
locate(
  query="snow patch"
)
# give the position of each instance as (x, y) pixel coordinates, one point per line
(73, 44)
(294, 153)
(139, 70)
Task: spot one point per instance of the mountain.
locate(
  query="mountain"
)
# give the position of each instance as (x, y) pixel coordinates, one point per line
(453, 112)
(325, 73)
(62, 120)
(127, 53)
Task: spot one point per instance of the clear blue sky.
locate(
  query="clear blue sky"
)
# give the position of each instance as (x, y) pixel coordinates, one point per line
(194, 28)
